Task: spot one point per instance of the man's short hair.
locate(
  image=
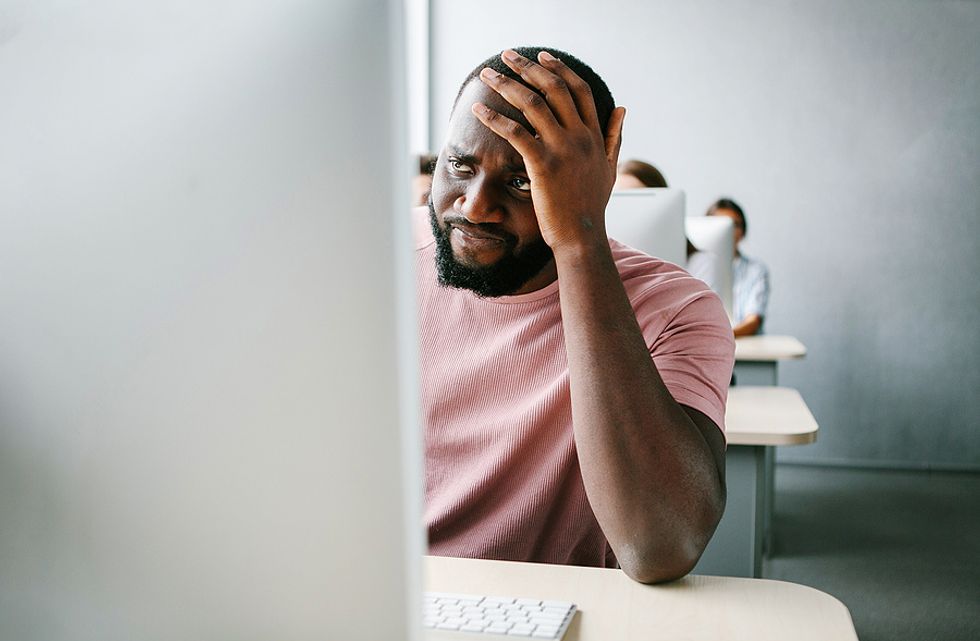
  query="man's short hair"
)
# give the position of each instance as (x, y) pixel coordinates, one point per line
(731, 205)
(644, 172)
(601, 95)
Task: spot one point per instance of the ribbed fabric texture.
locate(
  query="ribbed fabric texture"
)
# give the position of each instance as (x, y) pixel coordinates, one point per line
(502, 474)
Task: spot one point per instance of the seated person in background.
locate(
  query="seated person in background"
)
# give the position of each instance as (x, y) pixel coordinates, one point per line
(422, 181)
(585, 428)
(750, 277)
(637, 174)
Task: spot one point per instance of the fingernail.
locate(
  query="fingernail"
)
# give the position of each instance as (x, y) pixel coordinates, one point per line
(510, 56)
(547, 57)
(479, 107)
(489, 74)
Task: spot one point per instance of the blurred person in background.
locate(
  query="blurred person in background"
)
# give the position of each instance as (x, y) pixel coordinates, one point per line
(750, 277)
(637, 174)
(422, 181)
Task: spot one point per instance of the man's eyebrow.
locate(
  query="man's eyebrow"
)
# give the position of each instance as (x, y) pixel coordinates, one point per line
(470, 159)
(462, 156)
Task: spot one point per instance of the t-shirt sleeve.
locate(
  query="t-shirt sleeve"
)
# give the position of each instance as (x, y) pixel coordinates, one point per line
(695, 354)
(704, 266)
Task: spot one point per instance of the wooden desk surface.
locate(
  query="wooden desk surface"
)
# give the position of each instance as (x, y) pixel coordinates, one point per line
(612, 607)
(768, 348)
(768, 416)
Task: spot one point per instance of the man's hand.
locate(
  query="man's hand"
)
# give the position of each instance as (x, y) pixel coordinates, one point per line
(571, 163)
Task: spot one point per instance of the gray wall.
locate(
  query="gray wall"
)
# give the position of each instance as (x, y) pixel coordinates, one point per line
(850, 132)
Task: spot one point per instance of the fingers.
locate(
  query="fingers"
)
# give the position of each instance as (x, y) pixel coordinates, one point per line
(554, 87)
(519, 137)
(614, 136)
(578, 89)
(532, 105)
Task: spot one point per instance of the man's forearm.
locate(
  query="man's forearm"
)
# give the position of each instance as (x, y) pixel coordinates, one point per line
(749, 326)
(649, 473)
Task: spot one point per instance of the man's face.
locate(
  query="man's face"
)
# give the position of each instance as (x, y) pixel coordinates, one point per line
(487, 235)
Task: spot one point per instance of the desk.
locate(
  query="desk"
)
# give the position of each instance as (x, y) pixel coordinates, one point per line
(615, 608)
(757, 357)
(756, 363)
(757, 420)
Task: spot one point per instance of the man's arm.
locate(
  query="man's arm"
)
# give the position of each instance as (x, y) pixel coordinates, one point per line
(653, 469)
(749, 326)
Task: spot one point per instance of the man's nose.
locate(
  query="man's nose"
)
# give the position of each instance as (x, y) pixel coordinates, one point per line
(480, 203)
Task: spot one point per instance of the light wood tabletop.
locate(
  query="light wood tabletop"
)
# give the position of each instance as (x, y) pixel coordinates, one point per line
(765, 347)
(613, 607)
(766, 415)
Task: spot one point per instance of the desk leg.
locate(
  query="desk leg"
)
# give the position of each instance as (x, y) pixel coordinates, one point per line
(736, 548)
(769, 498)
(765, 373)
(756, 373)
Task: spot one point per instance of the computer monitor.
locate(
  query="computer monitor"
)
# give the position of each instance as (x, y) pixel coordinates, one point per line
(651, 220)
(207, 407)
(714, 236)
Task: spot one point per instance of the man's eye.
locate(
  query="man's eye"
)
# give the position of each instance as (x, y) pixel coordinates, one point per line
(458, 167)
(522, 184)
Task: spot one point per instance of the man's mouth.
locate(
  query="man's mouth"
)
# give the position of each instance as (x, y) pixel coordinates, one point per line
(471, 233)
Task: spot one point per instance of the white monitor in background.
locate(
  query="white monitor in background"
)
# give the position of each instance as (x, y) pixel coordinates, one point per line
(651, 220)
(714, 238)
(207, 423)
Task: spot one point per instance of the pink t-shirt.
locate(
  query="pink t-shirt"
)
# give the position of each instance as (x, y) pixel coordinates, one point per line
(501, 470)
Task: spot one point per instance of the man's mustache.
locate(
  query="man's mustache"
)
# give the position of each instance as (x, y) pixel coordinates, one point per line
(491, 230)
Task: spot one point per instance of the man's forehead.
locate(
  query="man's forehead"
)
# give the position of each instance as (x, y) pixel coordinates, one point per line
(468, 136)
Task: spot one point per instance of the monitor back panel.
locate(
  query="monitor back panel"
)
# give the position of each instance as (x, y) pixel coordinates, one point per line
(651, 220)
(716, 236)
(202, 411)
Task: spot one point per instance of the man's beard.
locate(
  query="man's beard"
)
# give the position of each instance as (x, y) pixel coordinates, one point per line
(502, 278)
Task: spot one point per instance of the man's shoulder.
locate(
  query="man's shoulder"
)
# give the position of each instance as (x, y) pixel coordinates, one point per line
(642, 272)
(659, 289)
(421, 228)
(751, 264)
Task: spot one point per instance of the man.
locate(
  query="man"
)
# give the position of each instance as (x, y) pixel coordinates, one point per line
(551, 433)
(750, 277)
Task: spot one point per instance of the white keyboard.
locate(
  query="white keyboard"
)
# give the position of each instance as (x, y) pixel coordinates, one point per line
(463, 616)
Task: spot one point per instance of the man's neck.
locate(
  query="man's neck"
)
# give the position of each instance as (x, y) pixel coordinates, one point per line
(547, 275)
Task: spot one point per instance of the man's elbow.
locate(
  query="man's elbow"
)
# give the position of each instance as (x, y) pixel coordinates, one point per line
(661, 566)
(668, 558)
